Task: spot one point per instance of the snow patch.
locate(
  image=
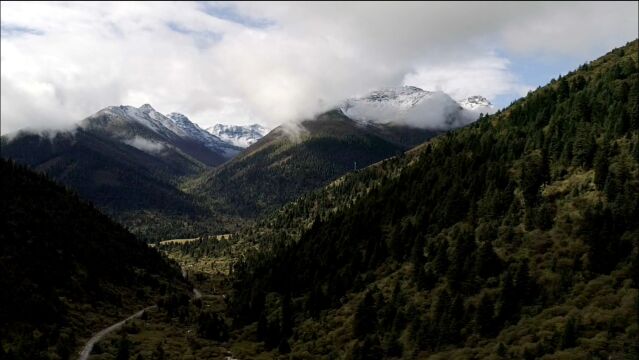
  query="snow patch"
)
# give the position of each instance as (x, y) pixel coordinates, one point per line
(241, 136)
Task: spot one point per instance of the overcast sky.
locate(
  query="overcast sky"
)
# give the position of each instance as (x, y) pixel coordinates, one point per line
(239, 63)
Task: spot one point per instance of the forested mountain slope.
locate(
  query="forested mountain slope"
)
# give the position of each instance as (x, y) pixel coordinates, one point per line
(287, 163)
(515, 237)
(67, 270)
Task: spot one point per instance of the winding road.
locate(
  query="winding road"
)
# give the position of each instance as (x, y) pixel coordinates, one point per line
(86, 351)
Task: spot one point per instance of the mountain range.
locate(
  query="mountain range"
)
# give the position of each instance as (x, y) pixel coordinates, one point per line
(164, 176)
(421, 233)
(128, 161)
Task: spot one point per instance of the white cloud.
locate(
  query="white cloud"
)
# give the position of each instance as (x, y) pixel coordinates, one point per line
(488, 76)
(145, 145)
(275, 62)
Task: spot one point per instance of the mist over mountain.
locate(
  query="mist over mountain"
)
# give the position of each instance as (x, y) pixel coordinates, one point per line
(319, 180)
(136, 163)
(298, 157)
(412, 106)
(128, 161)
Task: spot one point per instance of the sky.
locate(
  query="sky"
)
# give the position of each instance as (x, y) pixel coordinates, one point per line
(271, 63)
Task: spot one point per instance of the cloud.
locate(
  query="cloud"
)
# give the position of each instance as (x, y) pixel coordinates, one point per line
(413, 107)
(488, 76)
(276, 62)
(145, 145)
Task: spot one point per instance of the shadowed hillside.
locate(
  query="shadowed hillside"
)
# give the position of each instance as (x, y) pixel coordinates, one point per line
(67, 269)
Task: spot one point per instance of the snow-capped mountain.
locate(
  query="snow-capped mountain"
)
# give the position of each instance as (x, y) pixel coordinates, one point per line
(242, 136)
(148, 130)
(410, 105)
(477, 103)
(116, 119)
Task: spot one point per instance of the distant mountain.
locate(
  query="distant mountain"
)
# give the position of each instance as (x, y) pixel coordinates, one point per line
(478, 104)
(294, 159)
(67, 270)
(412, 106)
(150, 131)
(241, 136)
(128, 161)
(210, 140)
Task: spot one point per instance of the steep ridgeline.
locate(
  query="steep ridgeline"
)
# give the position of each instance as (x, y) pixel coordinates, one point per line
(293, 160)
(67, 270)
(515, 237)
(127, 161)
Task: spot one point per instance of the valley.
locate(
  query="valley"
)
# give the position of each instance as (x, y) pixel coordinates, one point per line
(319, 181)
(284, 273)
(321, 265)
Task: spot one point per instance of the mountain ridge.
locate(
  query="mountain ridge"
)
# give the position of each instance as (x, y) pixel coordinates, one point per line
(289, 162)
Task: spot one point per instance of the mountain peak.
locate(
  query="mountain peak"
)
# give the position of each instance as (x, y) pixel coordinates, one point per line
(476, 102)
(402, 93)
(407, 105)
(146, 107)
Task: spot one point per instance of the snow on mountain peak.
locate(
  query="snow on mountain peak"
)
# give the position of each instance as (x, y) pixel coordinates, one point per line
(169, 129)
(242, 136)
(403, 97)
(177, 117)
(188, 129)
(412, 106)
(475, 102)
(406, 105)
(147, 107)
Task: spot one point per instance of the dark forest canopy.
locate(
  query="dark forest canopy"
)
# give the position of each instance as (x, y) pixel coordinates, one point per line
(65, 266)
